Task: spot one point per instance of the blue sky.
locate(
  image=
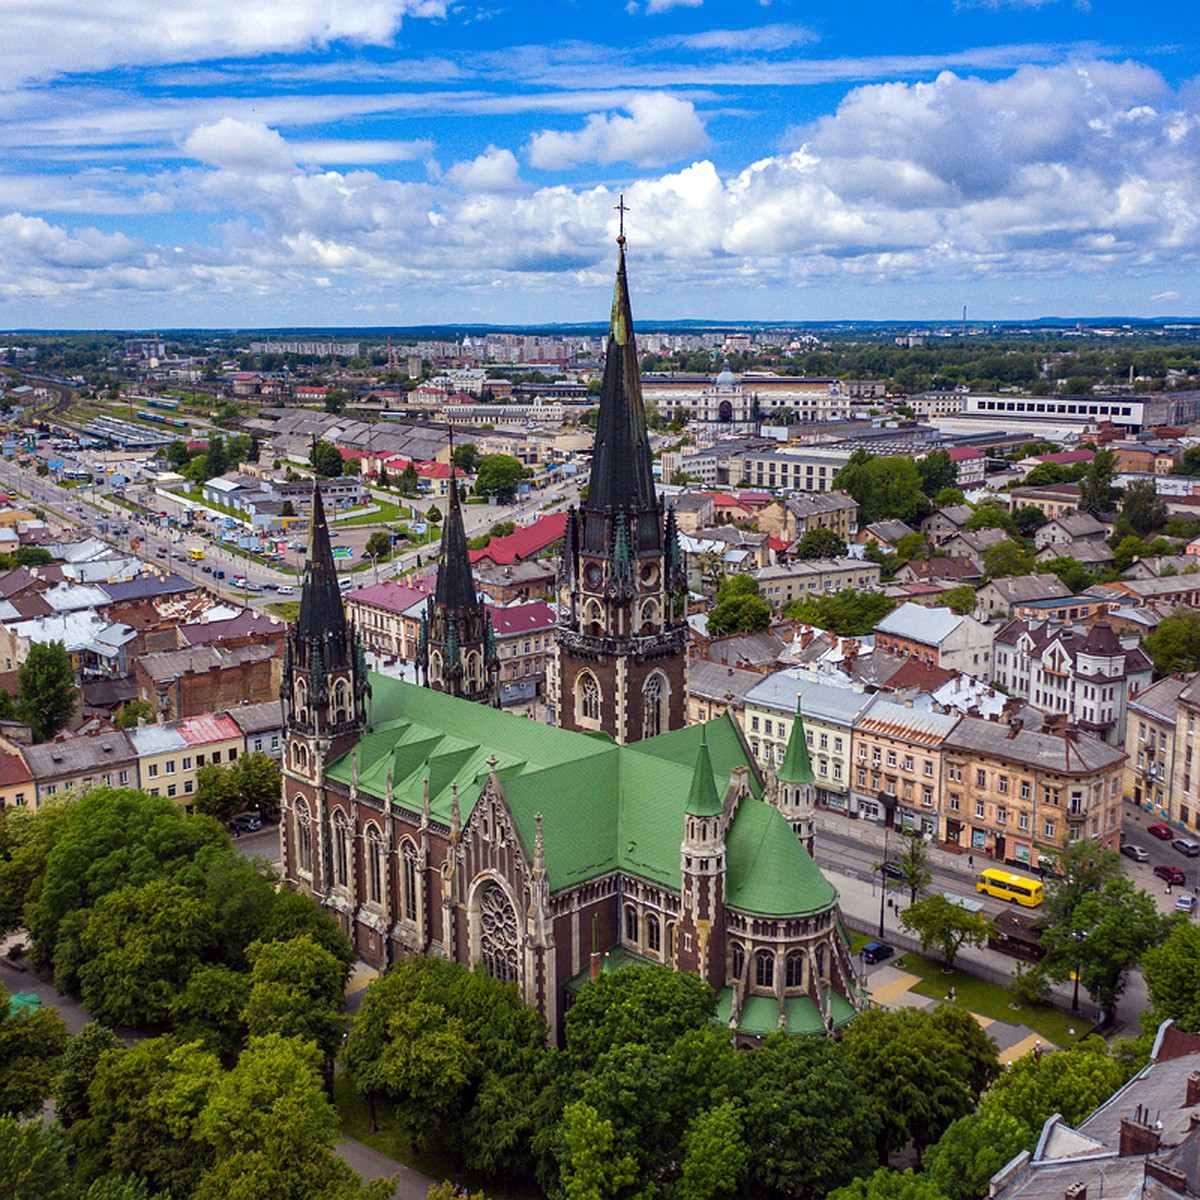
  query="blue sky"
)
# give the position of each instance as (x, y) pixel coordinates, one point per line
(393, 162)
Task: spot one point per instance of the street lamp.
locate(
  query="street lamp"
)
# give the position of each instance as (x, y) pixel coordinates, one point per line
(887, 828)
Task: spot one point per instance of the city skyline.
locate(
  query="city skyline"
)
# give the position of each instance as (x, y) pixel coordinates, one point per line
(411, 162)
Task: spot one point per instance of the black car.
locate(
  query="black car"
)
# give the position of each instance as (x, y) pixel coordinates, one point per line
(891, 870)
(874, 952)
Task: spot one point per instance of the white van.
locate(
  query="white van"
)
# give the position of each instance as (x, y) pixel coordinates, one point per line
(286, 589)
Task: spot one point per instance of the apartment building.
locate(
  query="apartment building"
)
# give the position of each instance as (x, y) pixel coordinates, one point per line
(524, 642)
(939, 637)
(1017, 795)
(713, 689)
(106, 757)
(897, 765)
(800, 469)
(1182, 806)
(1083, 675)
(388, 618)
(829, 714)
(790, 517)
(17, 788)
(261, 726)
(810, 578)
(1150, 744)
(170, 755)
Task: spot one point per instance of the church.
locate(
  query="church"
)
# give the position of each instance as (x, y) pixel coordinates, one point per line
(430, 822)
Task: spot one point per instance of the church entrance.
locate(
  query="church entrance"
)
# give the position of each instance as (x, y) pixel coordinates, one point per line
(725, 411)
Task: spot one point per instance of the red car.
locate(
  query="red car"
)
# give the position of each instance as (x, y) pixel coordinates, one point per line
(1164, 833)
(1171, 874)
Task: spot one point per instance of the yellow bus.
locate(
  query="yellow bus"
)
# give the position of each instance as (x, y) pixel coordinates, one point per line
(196, 553)
(1016, 889)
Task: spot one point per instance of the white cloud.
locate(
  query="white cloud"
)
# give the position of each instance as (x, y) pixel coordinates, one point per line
(1165, 296)
(244, 147)
(659, 6)
(660, 128)
(46, 38)
(762, 37)
(495, 170)
(351, 152)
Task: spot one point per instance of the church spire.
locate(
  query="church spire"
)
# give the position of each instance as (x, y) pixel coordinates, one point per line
(622, 477)
(455, 584)
(321, 613)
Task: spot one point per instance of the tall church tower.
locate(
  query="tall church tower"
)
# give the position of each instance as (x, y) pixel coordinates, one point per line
(622, 637)
(456, 650)
(326, 697)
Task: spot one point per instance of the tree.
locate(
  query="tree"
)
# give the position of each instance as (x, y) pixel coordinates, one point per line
(960, 599)
(335, 400)
(288, 509)
(382, 478)
(591, 1170)
(498, 475)
(1103, 940)
(937, 472)
(33, 1162)
(433, 515)
(886, 1184)
(1175, 644)
(1079, 868)
(1029, 519)
(883, 488)
(914, 863)
(1126, 550)
(217, 792)
(946, 926)
(46, 691)
(739, 608)
(920, 1071)
(32, 1043)
(1071, 572)
(1096, 492)
(1007, 558)
(847, 613)
(465, 456)
(809, 1125)
(990, 514)
(715, 1155)
(948, 497)
(819, 543)
(1171, 971)
(379, 545)
(252, 783)
(1142, 512)
(78, 1069)
(134, 711)
(326, 460)
(407, 483)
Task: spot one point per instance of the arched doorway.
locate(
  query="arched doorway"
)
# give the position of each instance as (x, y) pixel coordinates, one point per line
(725, 411)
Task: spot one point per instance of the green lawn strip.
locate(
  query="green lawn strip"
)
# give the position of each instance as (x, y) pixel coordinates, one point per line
(285, 610)
(387, 512)
(355, 1123)
(990, 1000)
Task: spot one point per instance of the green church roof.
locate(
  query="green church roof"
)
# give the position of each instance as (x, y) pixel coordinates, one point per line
(703, 800)
(604, 807)
(795, 767)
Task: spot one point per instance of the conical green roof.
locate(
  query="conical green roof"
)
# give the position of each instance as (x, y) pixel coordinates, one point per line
(703, 800)
(795, 767)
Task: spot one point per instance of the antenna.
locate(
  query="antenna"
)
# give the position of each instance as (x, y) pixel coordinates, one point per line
(964, 324)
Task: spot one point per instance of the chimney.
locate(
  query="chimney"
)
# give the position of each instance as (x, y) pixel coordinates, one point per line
(806, 637)
(1077, 1191)
(1192, 1096)
(1138, 1136)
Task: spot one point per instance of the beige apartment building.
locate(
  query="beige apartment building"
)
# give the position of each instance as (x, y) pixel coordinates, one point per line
(810, 578)
(1182, 806)
(171, 754)
(1151, 720)
(388, 618)
(1015, 795)
(790, 517)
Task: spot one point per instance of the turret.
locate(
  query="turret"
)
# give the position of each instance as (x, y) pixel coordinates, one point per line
(702, 870)
(794, 781)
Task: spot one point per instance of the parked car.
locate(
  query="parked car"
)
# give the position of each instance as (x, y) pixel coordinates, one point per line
(206, 569)
(161, 552)
(1185, 903)
(874, 952)
(1137, 853)
(286, 589)
(220, 574)
(891, 870)
(1164, 833)
(246, 823)
(1170, 874)
(1187, 846)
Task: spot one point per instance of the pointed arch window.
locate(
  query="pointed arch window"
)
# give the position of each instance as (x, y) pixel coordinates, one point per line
(341, 697)
(739, 960)
(588, 692)
(341, 850)
(374, 865)
(408, 857)
(795, 969)
(653, 934)
(303, 838)
(631, 925)
(498, 934)
(653, 698)
(764, 969)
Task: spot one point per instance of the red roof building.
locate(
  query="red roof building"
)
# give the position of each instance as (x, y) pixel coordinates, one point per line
(526, 542)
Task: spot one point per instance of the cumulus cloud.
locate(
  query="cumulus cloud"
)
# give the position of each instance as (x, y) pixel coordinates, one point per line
(659, 129)
(495, 170)
(244, 147)
(44, 39)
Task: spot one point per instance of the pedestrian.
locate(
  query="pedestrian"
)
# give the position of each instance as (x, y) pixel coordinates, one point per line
(971, 861)
(1168, 888)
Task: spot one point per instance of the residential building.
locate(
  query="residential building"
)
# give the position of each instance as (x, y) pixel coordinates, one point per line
(388, 618)
(798, 468)
(973, 544)
(1084, 676)
(170, 754)
(1182, 808)
(1017, 795)
(261, 726)
(524, 644)
(715, 689)
(790, 517)
(829, 712)
(970, 464)
(1054, 499)
(944, 524)
(17, 786)
(807, 579)
(204, 679)
(897, 765)
(529, 580)
(530, 541)
(1150, 728)
(938, 636)
(883, 533)
(105, 757)
(1069, 528)
(1000, 597)
(693, 511)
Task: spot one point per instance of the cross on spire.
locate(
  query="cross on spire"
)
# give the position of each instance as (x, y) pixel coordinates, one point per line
(622, 208)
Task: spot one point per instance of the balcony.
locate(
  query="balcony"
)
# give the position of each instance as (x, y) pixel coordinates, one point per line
(1077, 815)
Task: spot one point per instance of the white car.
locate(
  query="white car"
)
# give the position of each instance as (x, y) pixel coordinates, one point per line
(286, 589)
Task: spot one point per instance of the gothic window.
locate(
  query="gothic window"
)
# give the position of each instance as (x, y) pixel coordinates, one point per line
(653, 696)
(303, 838)
(795, 969)
(341, 851)
(649, 616)
(739, 960)
(408, 855)
(435, 667)
(374, 865)
(341, 695)
(631, 924)
(474, 669)
(764, 969)
(671, 943)
(587, 692)
(301, 702)
(498, 934)
(821, 961)
(653, 934)
(592, 618)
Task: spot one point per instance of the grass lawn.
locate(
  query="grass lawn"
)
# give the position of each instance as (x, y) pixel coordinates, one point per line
(986, 999)
(286, 610)
(387, 512)
(352, 1111)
